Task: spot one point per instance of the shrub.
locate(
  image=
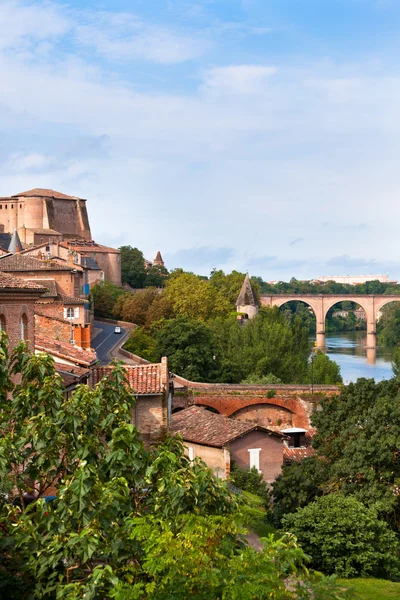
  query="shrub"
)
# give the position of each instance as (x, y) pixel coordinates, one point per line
(250, 480)
(141, 343)
(344, 537)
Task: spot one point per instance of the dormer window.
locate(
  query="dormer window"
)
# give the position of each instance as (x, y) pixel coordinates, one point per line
(296, 437)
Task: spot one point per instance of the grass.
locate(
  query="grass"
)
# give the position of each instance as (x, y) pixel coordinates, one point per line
(254, 515)
(373, 589)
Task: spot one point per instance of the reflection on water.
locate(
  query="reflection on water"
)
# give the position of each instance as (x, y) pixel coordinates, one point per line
(348, 349)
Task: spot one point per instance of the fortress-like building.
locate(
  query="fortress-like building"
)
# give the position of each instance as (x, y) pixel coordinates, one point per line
(41, 214)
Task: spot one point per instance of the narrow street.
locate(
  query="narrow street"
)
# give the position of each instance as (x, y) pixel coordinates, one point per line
(105, 340)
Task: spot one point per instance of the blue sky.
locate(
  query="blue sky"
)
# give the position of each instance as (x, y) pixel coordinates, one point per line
(248, 134)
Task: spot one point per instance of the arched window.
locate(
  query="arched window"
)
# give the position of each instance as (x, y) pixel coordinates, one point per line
(24, 327)
(12, 205)
(2, 323)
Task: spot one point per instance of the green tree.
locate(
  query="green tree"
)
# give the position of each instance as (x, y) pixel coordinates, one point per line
(156, 276)
(126, 523)
(396, 363)
(188, 345)
(250, 480)
(346, 538)
(195, 298)
(389, 325)
(133, 271)
(134, 307)
(141, 343)
(323, 371)
(228, 285)
(105, 296)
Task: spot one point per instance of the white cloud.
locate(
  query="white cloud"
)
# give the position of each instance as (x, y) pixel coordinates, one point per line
(238, 79)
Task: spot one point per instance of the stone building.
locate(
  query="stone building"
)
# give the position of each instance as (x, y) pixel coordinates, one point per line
(42, 214)
(17, 308)
(218, 440)
(247, 304)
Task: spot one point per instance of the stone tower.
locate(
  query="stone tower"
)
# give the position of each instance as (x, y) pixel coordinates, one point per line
(158, 261)
(247, 301)
(15, 243)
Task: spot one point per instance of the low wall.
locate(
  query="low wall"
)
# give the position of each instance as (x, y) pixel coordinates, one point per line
(134, 357)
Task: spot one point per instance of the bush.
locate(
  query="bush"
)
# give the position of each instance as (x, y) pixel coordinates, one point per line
(141, 343)
(346, 538)
(250, 480)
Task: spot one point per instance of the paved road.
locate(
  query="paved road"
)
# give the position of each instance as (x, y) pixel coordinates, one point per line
(105, 340)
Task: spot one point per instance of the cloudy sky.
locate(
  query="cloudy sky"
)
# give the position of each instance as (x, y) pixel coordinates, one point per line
(248, 134)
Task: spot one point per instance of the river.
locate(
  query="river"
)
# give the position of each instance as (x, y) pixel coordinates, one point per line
(348, 350)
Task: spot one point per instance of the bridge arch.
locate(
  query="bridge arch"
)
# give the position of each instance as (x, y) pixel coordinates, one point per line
(265, 414)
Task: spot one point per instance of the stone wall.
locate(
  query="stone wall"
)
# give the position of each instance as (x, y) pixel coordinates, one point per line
(12, 311)
(271, 454)
(150, 416)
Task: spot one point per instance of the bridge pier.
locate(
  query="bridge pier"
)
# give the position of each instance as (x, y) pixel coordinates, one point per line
(371, 356)
(321, 343)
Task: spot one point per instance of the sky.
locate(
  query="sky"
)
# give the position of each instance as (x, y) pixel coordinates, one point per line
(259, 135)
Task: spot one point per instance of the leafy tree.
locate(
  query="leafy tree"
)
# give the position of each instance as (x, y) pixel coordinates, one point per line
(141, 343)
(262, 380)
(250, 480)
(323, 371)
(195, 298)
(127, 523)
(188, 345)
(156, 276)
(159, 311)
(389, 325)
(133, 271)
(134, 307)
(396, 363)
(344, 537)
(298, 485)
(228, 285)
(105, 296)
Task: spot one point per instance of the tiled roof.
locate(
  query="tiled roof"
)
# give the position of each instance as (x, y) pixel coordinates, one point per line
(71, 375)
(143, 379)
(201, 426)
(43, 193)
(19, 262)
(49, 284)
(9, 282)
(246, 296)
(65, 350)
(45, 231)
(71, 299)
(81, 246)
(297, 454)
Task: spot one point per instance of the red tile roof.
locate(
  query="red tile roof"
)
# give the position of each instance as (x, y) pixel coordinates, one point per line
(201, 426)
(297, 454)
(82, 246)
(60, 349)
(143, 379)
(44, 193)
(49, 285)
(19, 262)
(9, 282)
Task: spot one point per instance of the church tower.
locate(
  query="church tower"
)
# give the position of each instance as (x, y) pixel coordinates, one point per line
(158, 261)
(247, 301)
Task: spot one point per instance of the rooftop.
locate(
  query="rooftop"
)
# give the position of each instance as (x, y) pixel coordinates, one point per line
(9, 282)
(64, 350)
(45, 193)
(201, 426)
(20, 262)
(143, 379)
(246, 296)
(49, 284)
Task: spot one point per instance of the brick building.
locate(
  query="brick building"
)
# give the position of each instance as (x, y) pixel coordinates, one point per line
(17, 308)
(151, 386)
(217, 440)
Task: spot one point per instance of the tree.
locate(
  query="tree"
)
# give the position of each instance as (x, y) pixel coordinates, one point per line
(323, 371)
(105, 297)
(134, 307)
(156, 276)
(127, 523)
(141, 343)
(344, 537)
(133, 271)
(396, 363)
(159, 311)
(195, 298)
(188, 345)
(389, 325)
(228, 285)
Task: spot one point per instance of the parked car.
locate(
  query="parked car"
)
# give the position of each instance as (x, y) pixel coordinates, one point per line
(117, 329)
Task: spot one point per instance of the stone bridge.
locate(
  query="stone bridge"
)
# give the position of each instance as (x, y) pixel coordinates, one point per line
(321, 303)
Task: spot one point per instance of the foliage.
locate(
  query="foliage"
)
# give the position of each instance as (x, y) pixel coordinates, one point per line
(389, 325)
(196, 298)
(105, 296)
(156, 276)
(134, 307)
(344, 537)
(298, 485)
(141, 343)
(372, 589)
(133, 271)
(358, 434)
(262, 380)
(127, 523)
(396, 363)
(323, 371)
(188, 345)
(250, 480)
(229, 285)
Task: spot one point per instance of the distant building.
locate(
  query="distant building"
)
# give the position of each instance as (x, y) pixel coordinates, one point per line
(247, 303)
(353, 279)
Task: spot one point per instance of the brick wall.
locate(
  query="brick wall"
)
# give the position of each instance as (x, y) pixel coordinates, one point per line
(150, 416)
(271, 455)
(266, 415)
(56, 329)
(11, 313)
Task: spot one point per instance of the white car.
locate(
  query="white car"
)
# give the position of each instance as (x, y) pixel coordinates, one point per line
(117, 329)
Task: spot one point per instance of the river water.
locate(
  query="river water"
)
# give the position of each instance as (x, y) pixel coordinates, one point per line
(348, 349)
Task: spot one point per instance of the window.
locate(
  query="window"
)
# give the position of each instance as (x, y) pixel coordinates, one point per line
(24, 327)
(20, 205)
(2, 323)
(255, 458)
(1, 206)
(12, 205)
(70, 313)
(6, 205)
(191, 452)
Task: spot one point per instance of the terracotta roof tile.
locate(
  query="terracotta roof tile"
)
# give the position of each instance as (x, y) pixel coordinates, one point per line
(45, 193)
(143, 379)
(297, 454)
(65, 350)
(10, 282)
(49, 285)
(19, 262)
(201, 426)
(79, 246)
